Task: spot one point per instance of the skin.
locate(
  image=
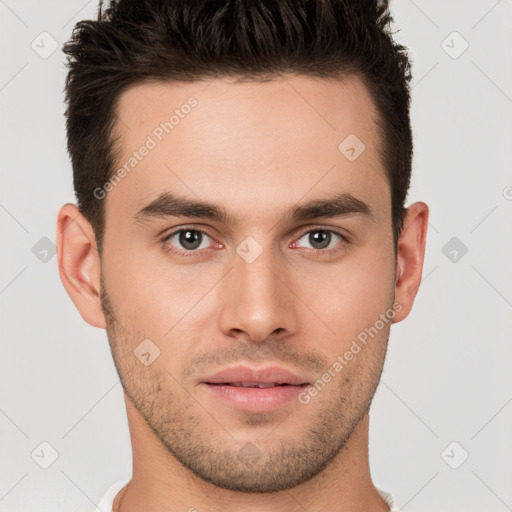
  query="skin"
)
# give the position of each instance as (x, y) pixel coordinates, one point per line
(258, 149)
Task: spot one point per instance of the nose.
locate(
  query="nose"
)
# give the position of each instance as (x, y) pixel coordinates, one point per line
(258, 299)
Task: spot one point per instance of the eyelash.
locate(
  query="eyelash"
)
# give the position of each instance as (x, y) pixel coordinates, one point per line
(195, 253)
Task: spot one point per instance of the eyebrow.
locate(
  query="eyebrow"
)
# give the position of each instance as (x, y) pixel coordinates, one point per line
(171, 205)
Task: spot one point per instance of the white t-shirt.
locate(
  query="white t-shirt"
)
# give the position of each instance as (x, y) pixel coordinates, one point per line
(105, 505)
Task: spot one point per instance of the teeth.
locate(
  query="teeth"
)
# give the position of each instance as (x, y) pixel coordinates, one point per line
(254, 384)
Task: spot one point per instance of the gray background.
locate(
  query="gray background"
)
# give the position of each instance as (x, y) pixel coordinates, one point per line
(447, 377)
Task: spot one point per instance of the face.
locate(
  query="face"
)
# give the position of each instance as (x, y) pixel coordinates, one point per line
(287, 277)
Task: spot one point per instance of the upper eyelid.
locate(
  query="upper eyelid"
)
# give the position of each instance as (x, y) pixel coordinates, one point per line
(176, 231)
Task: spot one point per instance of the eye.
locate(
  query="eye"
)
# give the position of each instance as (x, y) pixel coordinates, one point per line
(191, 242)
(186, 240)
(320, 240)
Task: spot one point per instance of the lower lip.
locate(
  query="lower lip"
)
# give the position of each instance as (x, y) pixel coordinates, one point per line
(255, 399)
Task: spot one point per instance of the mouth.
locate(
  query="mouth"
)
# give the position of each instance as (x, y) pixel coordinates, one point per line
(255, 390)
(255, 397)
(245, 376)
(259, 385)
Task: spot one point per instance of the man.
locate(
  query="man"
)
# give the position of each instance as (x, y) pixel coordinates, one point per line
(241, 170)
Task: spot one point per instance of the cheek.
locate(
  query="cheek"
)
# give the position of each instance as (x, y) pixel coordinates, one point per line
(350, 296)
(137, 292)
(157, 300)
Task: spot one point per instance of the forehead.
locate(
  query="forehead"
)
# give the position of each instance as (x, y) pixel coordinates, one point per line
(249, 145)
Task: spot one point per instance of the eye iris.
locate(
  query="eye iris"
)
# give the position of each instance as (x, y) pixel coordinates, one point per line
(190, 239)
(323, 238)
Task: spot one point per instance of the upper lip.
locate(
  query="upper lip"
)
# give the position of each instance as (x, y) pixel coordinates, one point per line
(269, 374)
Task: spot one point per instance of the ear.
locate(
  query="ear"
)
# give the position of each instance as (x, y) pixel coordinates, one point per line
(410, 256)
(79, 263)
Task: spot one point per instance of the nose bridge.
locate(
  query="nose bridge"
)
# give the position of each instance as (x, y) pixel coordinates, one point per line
(257, 301)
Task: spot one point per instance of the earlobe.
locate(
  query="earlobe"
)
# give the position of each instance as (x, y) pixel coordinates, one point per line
(79, 263)
(410, 257)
